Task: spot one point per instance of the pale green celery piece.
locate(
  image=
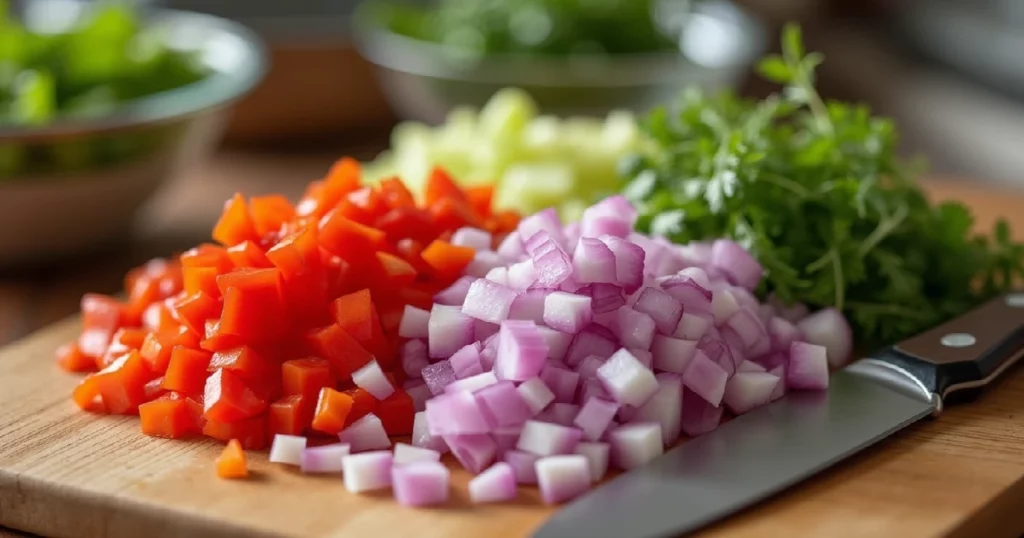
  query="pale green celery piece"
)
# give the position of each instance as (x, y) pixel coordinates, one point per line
(35, 100)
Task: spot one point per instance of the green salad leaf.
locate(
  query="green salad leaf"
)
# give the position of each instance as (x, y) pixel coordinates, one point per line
(538, 27)
(816, 191)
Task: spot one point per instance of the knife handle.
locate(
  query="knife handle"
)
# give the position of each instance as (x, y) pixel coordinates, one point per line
(967, 352)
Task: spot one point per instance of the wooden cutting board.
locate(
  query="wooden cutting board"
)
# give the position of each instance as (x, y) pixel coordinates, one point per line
(68, 473)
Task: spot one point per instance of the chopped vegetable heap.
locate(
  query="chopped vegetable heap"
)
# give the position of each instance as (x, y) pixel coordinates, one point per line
(534, 161)
(815, 191)
(537, 27)
(289, 325)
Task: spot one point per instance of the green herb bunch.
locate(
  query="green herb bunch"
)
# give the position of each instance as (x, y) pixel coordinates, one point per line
(815, 190)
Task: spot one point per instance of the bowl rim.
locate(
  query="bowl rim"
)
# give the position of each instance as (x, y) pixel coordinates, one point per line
(219, 88)
(390, 50)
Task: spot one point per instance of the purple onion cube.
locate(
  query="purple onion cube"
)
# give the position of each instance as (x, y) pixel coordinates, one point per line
(421, 434)
(474, 451)
(594, 417)
(562, 478)
(597, 455)
(562, 382)
(503, 405)
(665, 407)
(808, 367)
(567, 312)
(414, 323)
(672, 354)
(626, 379)
(466, 362)
(661, 307)
(536, 394)
(367, 471)
(455, 413)
(635, 444)
(488, 301)
(448, 330)
(496, 484)
(706, 378)
(437, 376)
(423, 483)
(523, 465)
(634, 329)
(748, 390)
(522, 351)
(546, 439)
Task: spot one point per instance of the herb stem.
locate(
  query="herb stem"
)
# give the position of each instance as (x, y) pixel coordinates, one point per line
(885, 227)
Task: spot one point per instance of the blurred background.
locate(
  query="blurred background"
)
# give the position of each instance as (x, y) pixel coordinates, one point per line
(129, 147)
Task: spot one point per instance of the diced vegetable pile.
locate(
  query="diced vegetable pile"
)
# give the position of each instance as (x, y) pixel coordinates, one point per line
(534, 352)
(534, 161)
(290, 323)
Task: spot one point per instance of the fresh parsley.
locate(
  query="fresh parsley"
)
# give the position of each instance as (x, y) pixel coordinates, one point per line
(815, 189)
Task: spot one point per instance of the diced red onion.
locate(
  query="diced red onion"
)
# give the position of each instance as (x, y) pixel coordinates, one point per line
(421, 434)
(367, 433)
(593, 388)
(774, 359)
(699, 416)
(484, 261)
(323, 459)
(522, 464)
(739, 265)
(723, 306)
(571, 231)
(503, 405)
(405, 454)
(505, 438)
(748, 390)
(287, 449)
(593, 261)
(449, 329)
(750, 366)
(692, 326)
(597, 455)
(665, 407)
(498, 275)
(472, 383)
(604, 297)
(626, 414)
(791, 313)
(616, 205)
(483, 330)
(368, 471)
(423, 483)
(780, 387)
(546, 439)
(543, 221)
(562, 382)
(645, 357)
(473, 238)
(466, 361)
(371, 378)
(661, 307)
(808, 367)
(552, 264)
(695, 253)
(474, 451)
(496, 484)
(511, 248)
(635, 444)
(629, 262)
(522, 351)
(626, 379)
(594, 417)
(419, 393)
(719, 353)
(439, 375)
(587, 368)
(455, 294)
(488, 301)
(659, 257)
(829, 328)
(414, 323)
(522, 275)
(672, 354)
(455, 413)
(596, 226)
(567, 312)
(562, 413)
(536, 394)
(782, 333)
(695, 298)
(706, 378)
(562, 478)
(634, 329)
(558, 342)
(529, 306)
(414, 358)
(765, 312)
(748, 327)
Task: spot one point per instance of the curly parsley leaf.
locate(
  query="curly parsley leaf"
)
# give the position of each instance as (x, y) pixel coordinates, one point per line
(816, 191)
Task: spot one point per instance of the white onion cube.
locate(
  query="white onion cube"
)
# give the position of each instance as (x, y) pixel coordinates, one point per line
(287, 449)
(635, 444)
(408, 454)
(626, 379)
(562, 478)
(367, 471)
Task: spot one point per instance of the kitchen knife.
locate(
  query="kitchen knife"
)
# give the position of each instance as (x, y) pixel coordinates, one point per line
(764, 451)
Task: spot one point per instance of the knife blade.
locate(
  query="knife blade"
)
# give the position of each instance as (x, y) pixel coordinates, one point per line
(780, 444)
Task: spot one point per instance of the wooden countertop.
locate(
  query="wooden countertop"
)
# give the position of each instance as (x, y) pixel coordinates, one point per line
(926, 462)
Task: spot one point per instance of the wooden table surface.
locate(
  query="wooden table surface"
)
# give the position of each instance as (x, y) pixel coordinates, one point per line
(183, 213)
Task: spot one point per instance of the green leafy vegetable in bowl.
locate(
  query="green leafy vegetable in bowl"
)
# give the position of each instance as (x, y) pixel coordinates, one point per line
(80, 73)
(815, 189)
(536, 27)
